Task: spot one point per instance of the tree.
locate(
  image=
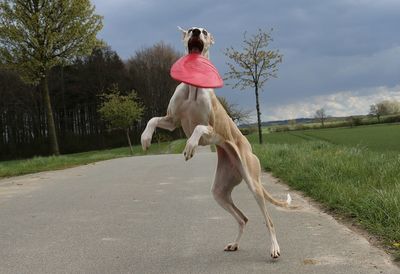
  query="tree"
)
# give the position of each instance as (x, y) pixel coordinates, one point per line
(385, 107)
(75, 104)
(237, 115)
(121, 111)
(253, 65)
(375, 110)
(149, 72)
(320, 116)
(388, 107)
(36, 35)
(394, 107)
(354, 121)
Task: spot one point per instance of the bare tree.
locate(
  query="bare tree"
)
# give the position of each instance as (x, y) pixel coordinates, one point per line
(320, 116)
(237, 114)
(374, 110)
(385, 107)
(253, 65)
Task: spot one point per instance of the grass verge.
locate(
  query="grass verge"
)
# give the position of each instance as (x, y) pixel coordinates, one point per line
(38, 164)
(358, 183)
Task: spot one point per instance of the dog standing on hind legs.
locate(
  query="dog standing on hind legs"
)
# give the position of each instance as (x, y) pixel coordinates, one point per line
(205, 122)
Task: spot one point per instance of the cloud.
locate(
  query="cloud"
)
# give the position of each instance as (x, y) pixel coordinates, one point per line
(342, 103)
(329, 47)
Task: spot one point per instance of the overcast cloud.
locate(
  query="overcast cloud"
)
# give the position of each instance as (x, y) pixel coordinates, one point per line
(343, 55)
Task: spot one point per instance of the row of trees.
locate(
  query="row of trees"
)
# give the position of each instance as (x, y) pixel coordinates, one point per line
(75, 91)
(37, 35)
(382, 108)
(53, 69)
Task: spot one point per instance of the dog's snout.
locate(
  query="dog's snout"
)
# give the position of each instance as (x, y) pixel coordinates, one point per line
(196, 32)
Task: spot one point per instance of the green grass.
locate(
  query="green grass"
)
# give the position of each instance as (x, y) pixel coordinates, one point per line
(356, 182)
(353, 171)
(277, 138)
(374, 137)
(37, 164)
(383, 137)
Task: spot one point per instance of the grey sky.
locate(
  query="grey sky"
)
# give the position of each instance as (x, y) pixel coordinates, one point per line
(342, 54)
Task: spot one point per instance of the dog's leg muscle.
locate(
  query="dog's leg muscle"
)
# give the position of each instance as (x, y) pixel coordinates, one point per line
(226, 178)
(161, 122)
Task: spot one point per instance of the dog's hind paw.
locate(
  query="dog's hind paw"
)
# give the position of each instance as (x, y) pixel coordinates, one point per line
(275, 251)
(232, 247)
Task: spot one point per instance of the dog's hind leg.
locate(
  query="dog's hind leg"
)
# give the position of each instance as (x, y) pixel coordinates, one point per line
(253, 181)
(251, 173)
(226, 178)
(256, 188)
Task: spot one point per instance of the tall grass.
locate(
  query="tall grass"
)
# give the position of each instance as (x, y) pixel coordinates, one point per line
(354, 181)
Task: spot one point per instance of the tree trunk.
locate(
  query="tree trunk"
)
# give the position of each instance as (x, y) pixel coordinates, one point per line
(64, 115)
(258, 116)
(51, 129)
(129, 140)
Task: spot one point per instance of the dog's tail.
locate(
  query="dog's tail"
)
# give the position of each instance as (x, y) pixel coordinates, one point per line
(281, 203)
(234, 155)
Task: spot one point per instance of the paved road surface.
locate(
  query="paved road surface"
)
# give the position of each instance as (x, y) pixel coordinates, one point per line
(155, 214)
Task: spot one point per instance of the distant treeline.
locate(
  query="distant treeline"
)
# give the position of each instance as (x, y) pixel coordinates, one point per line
(351, 121)
(75, 90)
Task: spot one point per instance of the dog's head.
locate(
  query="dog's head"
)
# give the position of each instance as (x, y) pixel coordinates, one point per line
(197, 40)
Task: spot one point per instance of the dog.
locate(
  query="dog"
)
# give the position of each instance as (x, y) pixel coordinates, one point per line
(205, 122)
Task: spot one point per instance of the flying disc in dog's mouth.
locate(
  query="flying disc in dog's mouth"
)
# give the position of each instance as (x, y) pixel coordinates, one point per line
(195, 44)
(196, 70)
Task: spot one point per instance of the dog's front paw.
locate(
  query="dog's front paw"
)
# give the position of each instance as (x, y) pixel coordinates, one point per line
(232, 247)
(145, 139)
(189, 149)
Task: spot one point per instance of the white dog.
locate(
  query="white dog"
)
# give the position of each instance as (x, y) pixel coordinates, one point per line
(205, 122)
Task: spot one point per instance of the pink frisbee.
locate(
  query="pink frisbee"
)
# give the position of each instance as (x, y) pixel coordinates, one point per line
(196, 70)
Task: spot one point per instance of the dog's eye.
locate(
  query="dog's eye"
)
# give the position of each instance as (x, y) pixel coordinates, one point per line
(204, 32)
(189, 31)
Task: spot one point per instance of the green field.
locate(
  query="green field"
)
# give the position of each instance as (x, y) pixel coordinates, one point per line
(373, 137)
(353, 171)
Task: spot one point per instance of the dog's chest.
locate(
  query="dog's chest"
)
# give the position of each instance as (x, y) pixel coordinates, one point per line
(193, 108)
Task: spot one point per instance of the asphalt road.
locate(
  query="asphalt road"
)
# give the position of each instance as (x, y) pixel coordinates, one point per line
(155, 214)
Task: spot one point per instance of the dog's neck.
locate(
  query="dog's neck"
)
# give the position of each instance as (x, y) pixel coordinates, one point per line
(193, 92)
(205, 54)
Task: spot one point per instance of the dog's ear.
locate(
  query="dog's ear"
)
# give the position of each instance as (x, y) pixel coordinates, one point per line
(183, 32)
(212, 39)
